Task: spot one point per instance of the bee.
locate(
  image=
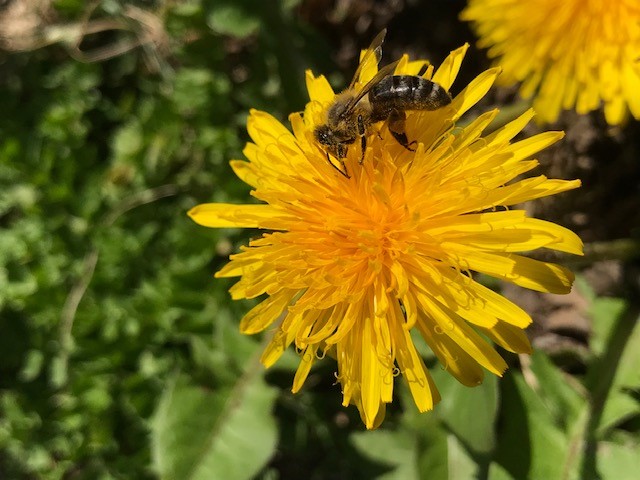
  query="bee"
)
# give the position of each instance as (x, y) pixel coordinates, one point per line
(386, 97)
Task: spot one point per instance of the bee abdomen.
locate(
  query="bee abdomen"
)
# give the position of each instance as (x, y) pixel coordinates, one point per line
(406, 92)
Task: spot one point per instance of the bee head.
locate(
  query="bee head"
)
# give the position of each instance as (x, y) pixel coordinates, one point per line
(324, 135)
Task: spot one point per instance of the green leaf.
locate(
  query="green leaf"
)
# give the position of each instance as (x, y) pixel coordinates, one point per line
(242, 350)
(530, 444)
(604, 312)
(628, 373)
(232, 20)
(194, 89)
(498, 472)
(440, 454)
(566, 405)
(202, 355)
(199, 434)
(620, 404)
(470, 413)
(127, 141)
(562, 399)
(32, 366)
(462, 466)
(395, 448)
(433, 450)
(619, 462)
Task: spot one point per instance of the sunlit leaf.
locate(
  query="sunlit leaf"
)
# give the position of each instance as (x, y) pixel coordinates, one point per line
(619, 461)
(397, 449)
(231, 19)
(622, 402)
(433, 449)
(562, 399)
(530, 444)
(498, 472)
(461, 464)
(469, 413)
(604, 312)
(204, 434)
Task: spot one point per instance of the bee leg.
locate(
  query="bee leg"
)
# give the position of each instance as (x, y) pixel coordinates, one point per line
(363, 138)
(343, 171)
(342, 153)
(397, 127)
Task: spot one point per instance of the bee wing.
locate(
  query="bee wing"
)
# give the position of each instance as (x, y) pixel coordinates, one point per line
(375, 49)
(382, 73)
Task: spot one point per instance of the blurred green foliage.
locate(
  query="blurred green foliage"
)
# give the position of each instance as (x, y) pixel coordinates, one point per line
(120, 356)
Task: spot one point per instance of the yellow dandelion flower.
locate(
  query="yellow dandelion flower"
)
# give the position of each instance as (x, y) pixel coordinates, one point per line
(574, 54)
(350, 266)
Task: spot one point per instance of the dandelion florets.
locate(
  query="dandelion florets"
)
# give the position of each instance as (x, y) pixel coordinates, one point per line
(575, 54)
(349, 266)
